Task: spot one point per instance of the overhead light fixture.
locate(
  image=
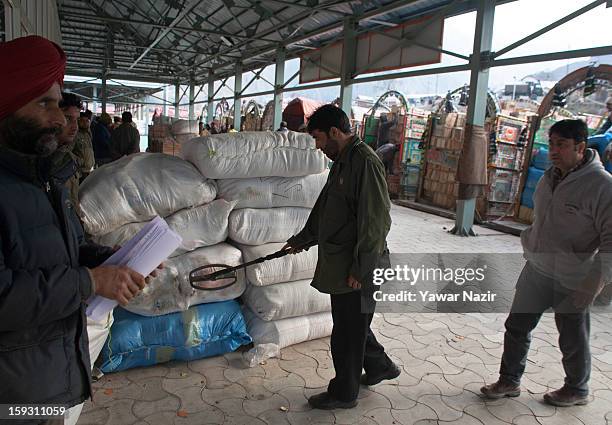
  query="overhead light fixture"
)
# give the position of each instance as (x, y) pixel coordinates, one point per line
(227, 41)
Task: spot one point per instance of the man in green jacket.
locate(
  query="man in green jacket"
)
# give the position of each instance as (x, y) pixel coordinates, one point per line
(125, 139)
(349, 222)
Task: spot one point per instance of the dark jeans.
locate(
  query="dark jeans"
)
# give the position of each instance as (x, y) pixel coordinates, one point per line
(353, 346)
(536, 293)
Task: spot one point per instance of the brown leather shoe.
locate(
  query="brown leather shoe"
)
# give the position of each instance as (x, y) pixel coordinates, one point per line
(500, 389)
(565, 397)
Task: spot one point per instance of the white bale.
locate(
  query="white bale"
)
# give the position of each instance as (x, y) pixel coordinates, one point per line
(289, 268)
(250, 226)
(185, 127)
(170, 291)
(287, 332)
(97, 333)
(205, 225)
(183, 138)
(139, 187)
(255, 154)
(271, 192)
(284, 300)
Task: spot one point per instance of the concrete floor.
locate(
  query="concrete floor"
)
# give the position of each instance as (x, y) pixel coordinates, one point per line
(445, 358)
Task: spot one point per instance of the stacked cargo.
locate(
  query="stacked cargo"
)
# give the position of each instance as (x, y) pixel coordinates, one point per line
(166, 137)
(442, 157)
(274, 180)
(117, 200)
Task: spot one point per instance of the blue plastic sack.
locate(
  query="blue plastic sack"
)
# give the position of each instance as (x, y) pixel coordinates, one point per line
(204, 330)
(527, 198)
(533, 177)
(539, 158)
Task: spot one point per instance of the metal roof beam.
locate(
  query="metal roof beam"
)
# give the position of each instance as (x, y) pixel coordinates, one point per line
(295, 19)
(550, 27)
(160, 26)
(545, 57)
(165, 32)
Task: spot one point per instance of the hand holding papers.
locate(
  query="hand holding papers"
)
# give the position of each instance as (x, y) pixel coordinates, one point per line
(143, 253)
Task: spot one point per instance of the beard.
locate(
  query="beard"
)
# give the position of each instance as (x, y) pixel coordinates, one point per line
(26, 136)
(332, 149)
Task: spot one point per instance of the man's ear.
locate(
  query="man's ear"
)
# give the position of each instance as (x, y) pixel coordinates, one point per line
(581, 147)
(334, 132)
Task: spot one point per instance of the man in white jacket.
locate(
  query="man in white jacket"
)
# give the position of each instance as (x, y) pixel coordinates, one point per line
(568, 250)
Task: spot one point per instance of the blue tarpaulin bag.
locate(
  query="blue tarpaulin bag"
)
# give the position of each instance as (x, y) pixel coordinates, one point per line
(204, 330)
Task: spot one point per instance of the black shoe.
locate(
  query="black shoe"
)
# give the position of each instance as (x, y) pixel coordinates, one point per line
(325, 401)
(391, 373)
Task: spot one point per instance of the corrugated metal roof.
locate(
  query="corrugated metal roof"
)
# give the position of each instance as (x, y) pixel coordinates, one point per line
(214, 34)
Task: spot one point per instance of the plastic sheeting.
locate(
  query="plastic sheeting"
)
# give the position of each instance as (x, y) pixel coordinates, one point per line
(183, 138)
(255, 154)
(272, 192)
(205, 225)
(287, 332)
(139, 187)
(97, 332)
(285, 300)
(250, 226)
(202, 331)
(289, 268)
(170, 291)
(185, 127)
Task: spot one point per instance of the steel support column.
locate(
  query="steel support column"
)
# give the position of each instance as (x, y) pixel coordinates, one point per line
(210, 108)
(479, 81)
(279, 81)
(177, 100)
(237, 98)
(95, 100)
(349, 57)
(104, 94)
(191, 99)
(165, 103)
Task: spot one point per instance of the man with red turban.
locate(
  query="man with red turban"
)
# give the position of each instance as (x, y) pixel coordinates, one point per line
(47, 272)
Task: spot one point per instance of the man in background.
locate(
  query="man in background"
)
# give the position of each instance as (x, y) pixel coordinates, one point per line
(101, 139)
(386, 153)
(125, 139)
(607, 124)
(83, 147)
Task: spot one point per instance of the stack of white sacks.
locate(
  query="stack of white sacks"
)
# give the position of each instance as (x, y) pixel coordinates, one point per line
(119, 199)
(274, 179)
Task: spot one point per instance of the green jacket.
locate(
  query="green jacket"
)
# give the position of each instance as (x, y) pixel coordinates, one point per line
(125, 140)
(350, 220)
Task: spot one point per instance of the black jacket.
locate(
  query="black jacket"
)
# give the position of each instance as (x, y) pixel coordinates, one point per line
(44, 355)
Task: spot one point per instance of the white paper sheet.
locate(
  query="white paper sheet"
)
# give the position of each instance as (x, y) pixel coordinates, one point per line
(143, 253)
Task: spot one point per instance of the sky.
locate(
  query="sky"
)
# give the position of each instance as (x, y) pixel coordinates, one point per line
(513, 21)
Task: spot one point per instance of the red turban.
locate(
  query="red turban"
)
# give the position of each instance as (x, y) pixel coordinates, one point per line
(30, 66)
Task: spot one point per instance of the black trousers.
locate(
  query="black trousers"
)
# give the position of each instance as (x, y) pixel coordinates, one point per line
(535, 293)
(353, 346)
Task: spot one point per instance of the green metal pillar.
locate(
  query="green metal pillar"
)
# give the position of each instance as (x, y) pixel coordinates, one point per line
(479, 81)
(279, 81)
(237, 98)
(210, 107)
(191, 99)
(177, 94)
(349, 58)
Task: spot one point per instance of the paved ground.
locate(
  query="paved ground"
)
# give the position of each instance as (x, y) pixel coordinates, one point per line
(445, 360)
